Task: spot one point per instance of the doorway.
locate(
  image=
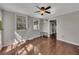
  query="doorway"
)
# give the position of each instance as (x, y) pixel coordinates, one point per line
(53, 28)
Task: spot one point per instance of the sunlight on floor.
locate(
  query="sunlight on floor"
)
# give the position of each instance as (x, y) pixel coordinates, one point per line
(8, 49)
(29, 49)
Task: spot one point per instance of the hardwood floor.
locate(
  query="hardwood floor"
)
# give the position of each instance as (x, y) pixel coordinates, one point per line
(41, 45)
(66, 49)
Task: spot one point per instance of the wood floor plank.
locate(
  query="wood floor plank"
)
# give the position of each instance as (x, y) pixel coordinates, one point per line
(44, 46)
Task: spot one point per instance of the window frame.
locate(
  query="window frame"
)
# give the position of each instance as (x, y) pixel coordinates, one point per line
(38, 27)
(26, 23)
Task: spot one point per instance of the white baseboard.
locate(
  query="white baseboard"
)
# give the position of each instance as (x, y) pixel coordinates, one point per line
(69, 42)
(34, 37)
(7, 44)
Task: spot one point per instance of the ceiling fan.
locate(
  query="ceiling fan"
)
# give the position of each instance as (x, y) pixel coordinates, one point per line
(43, 10)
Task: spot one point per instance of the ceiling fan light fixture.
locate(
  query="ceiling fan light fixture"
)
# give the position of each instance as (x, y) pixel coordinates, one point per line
(43, 10)
(42, 14)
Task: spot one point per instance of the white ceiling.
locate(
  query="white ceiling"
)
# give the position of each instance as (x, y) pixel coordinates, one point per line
(29, 8)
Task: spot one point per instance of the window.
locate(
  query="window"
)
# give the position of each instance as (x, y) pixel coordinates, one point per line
(36, 25)
(21, 23)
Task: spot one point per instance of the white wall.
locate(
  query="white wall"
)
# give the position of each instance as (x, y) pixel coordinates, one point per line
(45, 26)
(46, 29)
(68, 28)
(9, 28)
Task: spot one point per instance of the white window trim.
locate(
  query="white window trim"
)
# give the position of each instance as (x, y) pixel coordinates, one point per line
(16, 22)
(37, 25)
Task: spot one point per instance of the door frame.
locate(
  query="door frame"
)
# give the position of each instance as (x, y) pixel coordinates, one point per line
(55, 29)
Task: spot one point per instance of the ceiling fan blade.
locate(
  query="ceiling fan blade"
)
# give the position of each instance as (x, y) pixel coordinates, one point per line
(47, 12)
(36, 11)
(48, 7)
(38, 7)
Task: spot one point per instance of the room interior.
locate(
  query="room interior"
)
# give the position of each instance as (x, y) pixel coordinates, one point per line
(39, 28)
